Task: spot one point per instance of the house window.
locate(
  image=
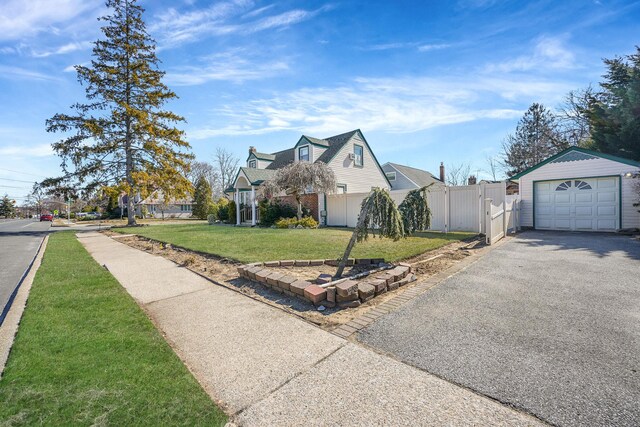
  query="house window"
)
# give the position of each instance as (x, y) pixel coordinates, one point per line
(391, 176)
(581, 185)
(303, 153)
(252, 164)
(341, 188)
(358, 151)
(564, 186)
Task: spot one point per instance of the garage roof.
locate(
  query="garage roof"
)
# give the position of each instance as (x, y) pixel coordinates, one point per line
(573, 154)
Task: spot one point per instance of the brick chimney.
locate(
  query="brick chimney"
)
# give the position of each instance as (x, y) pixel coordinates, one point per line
(473, 180)
(252, 150)
(442, 171)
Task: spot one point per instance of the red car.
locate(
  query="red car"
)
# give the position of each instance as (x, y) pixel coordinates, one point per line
(46, 217)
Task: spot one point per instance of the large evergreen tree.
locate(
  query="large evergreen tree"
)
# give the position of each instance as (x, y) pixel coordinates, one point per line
(121, 137)
(535, 139)
(202, 198)
(7, 207)
(614, 113)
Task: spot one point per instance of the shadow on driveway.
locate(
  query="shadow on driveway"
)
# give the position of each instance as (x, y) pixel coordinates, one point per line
(599, 244)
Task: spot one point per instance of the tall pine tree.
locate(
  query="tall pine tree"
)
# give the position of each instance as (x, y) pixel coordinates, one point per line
(122, 139)
(614, 113)
(536, 138)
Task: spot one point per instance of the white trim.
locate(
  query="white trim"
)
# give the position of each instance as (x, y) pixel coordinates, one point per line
(309, 153)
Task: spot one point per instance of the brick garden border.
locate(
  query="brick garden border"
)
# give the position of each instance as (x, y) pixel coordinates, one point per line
(345, 294)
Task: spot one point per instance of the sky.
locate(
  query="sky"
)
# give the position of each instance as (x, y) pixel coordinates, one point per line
(425, 81)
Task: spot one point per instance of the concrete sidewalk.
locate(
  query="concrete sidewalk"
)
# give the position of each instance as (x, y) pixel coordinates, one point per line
(265, 367)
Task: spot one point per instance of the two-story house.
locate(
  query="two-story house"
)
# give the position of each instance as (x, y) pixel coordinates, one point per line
(349, 156)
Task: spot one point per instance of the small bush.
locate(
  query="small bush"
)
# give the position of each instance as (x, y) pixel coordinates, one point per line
(306, 222)
(211, 219)
(270, 212)
(213, 210)
(231, 211)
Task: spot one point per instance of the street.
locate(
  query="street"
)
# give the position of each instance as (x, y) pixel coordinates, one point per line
(19, 242)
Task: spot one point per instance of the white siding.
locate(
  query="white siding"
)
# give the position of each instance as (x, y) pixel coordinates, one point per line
(358, 179)
(315, 151)
(260, 164)
(581, 169)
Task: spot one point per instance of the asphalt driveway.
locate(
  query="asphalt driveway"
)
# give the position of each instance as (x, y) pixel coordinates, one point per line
(547, 322)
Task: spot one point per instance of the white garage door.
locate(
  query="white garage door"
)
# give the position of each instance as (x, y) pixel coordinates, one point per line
(580, 204)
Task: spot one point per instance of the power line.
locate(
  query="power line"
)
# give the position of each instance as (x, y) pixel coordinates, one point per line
(23, 173)
(13, 186)
(16, 180)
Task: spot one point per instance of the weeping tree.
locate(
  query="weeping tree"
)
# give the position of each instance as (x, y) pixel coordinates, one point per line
(380, 215)
(297, 178)
(415, 211)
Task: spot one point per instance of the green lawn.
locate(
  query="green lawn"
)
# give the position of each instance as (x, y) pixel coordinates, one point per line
(85, 354)
(266, 244)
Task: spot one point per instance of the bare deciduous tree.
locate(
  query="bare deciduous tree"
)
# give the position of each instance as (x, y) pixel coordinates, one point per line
(226, 166)
(573, 116)
(493, 167)
(205, 170)
(458, 174)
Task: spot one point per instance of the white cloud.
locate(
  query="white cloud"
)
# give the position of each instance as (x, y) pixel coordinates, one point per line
(67, 48)
(175, 27)
(234, 65)
(397, 105)
(41, 150)
(429, 47)
(9, 72)
(548, 53)
(20, 18)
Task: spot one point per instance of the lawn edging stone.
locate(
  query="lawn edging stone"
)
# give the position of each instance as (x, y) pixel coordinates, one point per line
(348, 293)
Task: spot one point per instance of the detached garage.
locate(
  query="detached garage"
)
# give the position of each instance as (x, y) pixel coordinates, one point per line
(580, 190)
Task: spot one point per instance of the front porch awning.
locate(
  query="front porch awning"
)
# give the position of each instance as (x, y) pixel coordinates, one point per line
(248, 177)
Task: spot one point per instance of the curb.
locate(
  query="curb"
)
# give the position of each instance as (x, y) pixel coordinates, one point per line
(7, 306)
(13, 316)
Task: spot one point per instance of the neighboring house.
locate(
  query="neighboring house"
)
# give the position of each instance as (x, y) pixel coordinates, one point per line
(407, 178)
(511, 187)
(348, 155)
(157, 207)
(579, 189)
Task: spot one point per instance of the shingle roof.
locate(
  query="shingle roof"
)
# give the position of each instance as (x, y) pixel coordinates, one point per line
(335, 144)
(257, 176)
(419, 176)
(264, 156)
(282, 159)
(318, 141)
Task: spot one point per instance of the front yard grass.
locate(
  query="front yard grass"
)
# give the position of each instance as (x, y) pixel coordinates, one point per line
(266, 244)
(85, 354)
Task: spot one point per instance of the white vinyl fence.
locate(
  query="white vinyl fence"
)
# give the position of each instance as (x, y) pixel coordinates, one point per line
(500, 218)
(459, 208)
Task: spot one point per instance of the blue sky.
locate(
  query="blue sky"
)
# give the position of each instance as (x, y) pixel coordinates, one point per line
(425, 81)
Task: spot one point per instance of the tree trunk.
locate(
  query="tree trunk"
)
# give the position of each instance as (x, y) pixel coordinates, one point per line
(299, 206)
(352, 242)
